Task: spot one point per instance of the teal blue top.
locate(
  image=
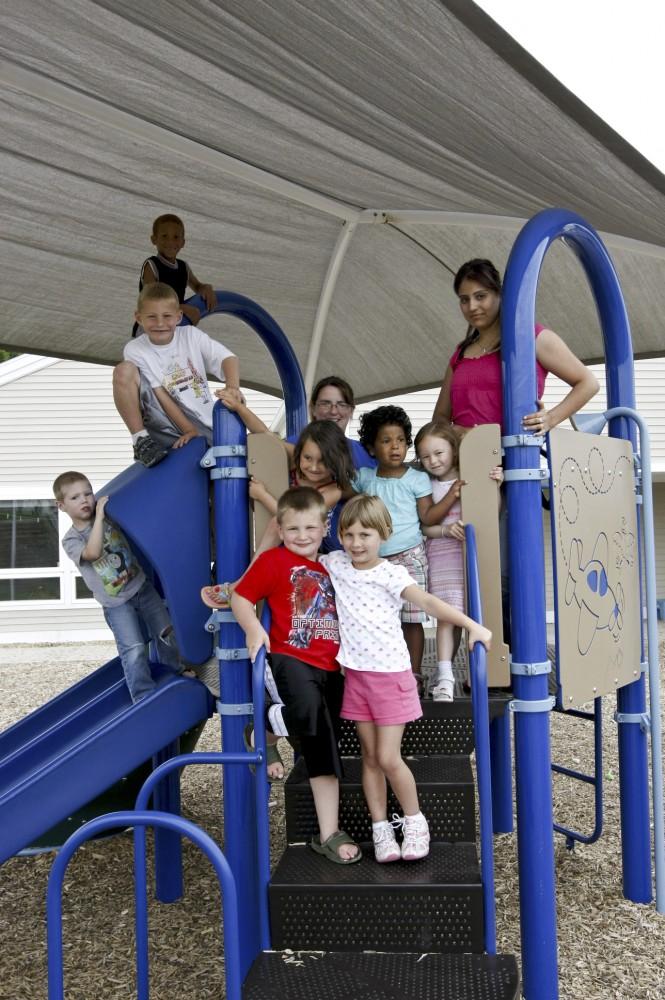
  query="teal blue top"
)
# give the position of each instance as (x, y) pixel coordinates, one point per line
(399, 496)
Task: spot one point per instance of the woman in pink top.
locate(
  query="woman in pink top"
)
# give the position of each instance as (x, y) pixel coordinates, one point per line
(471, 392)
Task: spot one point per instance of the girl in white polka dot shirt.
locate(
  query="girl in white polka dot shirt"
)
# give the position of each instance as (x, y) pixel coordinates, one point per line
(380, 692)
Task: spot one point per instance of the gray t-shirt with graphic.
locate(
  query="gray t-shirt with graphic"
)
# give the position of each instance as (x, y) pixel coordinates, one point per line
(116, 575)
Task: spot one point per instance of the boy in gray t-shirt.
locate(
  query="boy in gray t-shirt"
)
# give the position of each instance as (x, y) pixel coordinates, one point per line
(131, 605)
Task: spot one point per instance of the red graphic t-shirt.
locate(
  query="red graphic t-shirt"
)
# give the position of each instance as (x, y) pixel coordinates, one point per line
(302, 604)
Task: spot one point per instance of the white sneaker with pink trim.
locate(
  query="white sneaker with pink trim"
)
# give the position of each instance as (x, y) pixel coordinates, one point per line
(415, 844)
(386, 847)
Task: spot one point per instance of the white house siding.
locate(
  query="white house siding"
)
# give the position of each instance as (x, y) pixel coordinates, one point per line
(60, 414)
(57, 415)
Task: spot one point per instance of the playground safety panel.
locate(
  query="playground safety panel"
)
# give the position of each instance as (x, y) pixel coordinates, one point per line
(595, 555)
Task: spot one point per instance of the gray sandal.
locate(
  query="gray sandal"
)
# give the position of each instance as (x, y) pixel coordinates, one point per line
(328, 849)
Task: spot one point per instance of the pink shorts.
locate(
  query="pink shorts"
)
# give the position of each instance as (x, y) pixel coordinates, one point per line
(387, 699)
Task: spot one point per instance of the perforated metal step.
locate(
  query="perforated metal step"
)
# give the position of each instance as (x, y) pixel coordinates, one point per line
(429, 905)
(445, 792)
(371, 976)
(445, 728)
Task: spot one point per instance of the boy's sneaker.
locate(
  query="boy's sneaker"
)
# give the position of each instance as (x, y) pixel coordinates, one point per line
(416, 838)
(148, 452)
(386, 847)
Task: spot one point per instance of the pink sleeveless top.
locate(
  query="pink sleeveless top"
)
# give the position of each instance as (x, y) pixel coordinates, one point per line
(476, 391)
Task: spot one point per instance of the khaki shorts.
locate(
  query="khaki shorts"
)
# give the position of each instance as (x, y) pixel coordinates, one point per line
(156, 422)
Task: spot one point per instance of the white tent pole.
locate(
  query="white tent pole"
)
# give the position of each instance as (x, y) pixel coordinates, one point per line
(328, 287)
(44, 89)
(325, 298)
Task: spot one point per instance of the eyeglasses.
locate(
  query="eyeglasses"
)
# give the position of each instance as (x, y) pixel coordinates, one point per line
(326, 406)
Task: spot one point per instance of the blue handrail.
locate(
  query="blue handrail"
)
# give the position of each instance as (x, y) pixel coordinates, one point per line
(262, 821)
(481, 732)
(141, 819)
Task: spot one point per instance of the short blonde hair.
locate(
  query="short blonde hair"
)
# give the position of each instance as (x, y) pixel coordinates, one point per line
(301, 498)
(370, 512)
(66, 479)
(156, 291)
(164, 220)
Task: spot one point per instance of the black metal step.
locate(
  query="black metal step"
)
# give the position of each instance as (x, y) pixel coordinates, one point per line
(445, 728)
(372, 976)
(445, 792)
(429, 905)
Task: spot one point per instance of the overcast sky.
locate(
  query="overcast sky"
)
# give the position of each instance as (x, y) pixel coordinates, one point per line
(609, 54)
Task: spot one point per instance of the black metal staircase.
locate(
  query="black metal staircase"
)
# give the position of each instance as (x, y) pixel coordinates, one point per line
(381, 932)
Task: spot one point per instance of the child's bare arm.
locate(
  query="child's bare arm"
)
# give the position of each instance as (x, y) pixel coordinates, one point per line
(95, 543)
(207, 292)
(424, 505)
(455, 530)
(332, 495)
(259, 491)
(438, 510)
(176, 416)
(246, 617)
(446, 613)
(231, 376)
(252, 422)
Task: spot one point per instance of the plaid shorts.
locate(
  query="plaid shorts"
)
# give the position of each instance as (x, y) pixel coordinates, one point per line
(415, 561)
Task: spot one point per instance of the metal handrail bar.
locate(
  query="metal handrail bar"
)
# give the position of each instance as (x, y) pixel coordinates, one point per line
(134, 818)
(257, 758)
(481, 730)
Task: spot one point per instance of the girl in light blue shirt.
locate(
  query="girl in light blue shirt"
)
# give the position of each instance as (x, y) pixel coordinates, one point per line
(407, 493)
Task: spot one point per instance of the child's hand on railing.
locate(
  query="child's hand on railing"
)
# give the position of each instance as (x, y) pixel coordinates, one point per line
(479, 634)
(497, 474)
(257, 637)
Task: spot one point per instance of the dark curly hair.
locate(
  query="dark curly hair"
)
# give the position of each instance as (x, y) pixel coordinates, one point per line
(372, 422)
(334, 448)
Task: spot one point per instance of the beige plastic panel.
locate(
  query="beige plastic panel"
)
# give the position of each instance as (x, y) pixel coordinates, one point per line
(480, 452)
(266, 460)
(595, 551)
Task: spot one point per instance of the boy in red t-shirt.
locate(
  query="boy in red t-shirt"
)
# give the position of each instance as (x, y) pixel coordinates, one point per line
(303, 644)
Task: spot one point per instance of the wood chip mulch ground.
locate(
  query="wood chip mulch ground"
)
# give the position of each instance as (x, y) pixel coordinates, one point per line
(609, 948)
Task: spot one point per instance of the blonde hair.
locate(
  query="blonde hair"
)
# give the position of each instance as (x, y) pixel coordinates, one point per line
(163, 220)
(370, 512)
(156, 291)
(299, 499)
(66, 479)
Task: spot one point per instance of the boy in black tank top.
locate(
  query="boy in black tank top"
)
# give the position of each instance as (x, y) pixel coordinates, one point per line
(168, 238)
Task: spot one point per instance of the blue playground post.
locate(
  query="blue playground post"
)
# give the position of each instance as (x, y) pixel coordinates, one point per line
(502, 774)
(527, 590)
(232, 555)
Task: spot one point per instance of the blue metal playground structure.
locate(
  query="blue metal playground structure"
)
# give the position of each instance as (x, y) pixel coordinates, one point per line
(77, 745)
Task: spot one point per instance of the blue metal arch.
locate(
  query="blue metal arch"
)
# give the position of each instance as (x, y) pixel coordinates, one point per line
(272, 335)
(527, 588)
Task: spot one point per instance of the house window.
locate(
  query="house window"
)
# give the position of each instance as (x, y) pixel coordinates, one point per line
(29, 554)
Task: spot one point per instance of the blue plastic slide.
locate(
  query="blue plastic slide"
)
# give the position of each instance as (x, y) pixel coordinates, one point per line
(64, 754)
(87, 738)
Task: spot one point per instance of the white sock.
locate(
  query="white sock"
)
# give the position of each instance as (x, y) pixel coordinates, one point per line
(377, 827)
(139, 434)
(415, 816)
(444, 671)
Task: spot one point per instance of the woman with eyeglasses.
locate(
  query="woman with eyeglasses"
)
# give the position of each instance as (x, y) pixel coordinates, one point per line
(332, 399)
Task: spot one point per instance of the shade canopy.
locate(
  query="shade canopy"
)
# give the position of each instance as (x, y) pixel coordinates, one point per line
(334, 160)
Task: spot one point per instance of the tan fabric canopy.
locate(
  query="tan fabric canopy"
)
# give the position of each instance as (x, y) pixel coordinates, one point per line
(322, 153)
